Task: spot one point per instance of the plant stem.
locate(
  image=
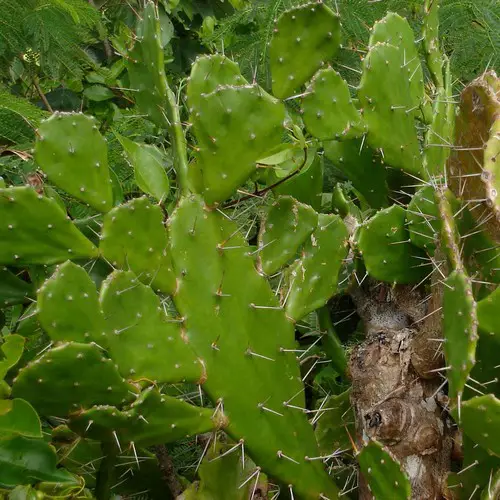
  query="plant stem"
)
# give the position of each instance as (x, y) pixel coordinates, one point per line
(105, 473)
(330, 341)
(178, 142)
(168, 471)
(41, 94)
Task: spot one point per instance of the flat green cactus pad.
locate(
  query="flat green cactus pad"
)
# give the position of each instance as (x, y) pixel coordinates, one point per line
(18, 418)
(235, 323)
(225, 476)
(142, 340)
(146, 67)
(74, 155)
(395, 30)
(234, 126)
(388, 255)
(298, 50)
(307, 185)
(10, 353)
(13, 290)
(28, 461)
(440, 135)
(70, 377)
(152, 419)
(34, 230)
(207, 73)
(491, 172)
(383, 473)
(423, 219)
(287, 225)
(68, 306)
(460, 330)
(480, 419)
(134, 238)
(388, 108)
(336, 423)
(314, 278)
(149, 167)
(430, 33)
(328, 109)
(365, 169)
(488, 313)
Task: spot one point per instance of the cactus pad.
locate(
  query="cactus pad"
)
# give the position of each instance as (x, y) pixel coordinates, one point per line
(142, 340)
(207, 73)
(422, 215)
(314, 278)
(152, 419)
(297, 51)
(491, 172)
(287, 225)
(146, 67)
(460, 330)
(134, 238)
(386, 249)
(388, 109)
(234, 126)
(70, 377)
(481, 420)
(34, 230)
(383, 473)
(13, 290)
(74, 155)
(235, 323)
(68, 306)
(431, 41)
(487, 313)
(328, 109)
(395, 30)
(358, 162)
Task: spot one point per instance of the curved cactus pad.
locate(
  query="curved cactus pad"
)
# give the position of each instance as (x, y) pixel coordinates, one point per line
(142, 340)
(70, 377)
(11, 351)
(235, 323)
(234, 126)
(328, 109)
(68, 306)
(134, 238)
(383, 473)
(460, 330)
(297, 51)
(431, 41)
(74, 155)
(388, 108)
(480, 418)
(207, 73)
(384, 244)
(34, 230)
(152, 419)
(395, 30)
(314, 278)
(287, 225)
(423, 219)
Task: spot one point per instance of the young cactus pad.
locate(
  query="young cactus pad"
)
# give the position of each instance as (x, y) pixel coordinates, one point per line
(297, 51)
(74, 155)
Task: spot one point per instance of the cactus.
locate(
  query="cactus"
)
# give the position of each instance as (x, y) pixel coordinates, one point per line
(188, 298)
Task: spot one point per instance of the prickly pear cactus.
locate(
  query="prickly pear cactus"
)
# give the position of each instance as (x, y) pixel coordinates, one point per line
(195, 295)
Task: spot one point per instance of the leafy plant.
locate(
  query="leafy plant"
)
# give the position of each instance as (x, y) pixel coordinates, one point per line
(175, 289)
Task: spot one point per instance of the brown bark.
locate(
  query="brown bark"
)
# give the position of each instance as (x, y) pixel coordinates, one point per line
(393, 403)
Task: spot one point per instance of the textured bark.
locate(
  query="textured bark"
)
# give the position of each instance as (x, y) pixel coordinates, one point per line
(393, 403)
